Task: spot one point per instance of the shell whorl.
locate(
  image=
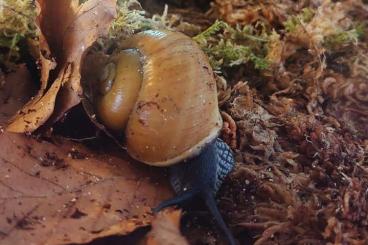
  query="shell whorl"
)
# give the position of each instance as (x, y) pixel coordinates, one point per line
(162, 96)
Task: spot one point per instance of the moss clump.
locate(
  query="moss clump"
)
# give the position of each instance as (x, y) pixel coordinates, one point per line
(294, 21)
(343, 38)
(210, 31)
(326, 26)
(17, 23)
(130, 18)
(228, 46)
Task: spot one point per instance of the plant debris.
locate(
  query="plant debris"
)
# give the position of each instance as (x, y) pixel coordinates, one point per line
(302, 136)
(293, 91)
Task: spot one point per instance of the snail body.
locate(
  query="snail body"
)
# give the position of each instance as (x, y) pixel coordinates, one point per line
(161, 92)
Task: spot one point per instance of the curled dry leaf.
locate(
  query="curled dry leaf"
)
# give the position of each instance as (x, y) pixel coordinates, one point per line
(68, 29)
(19, 121)
(166, 229)
(35, 114)
(15, 90)
(89, 21)
(61, 193)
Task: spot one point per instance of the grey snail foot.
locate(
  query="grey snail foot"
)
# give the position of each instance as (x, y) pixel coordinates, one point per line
(201, 177)
(209, 199)
(176, 201)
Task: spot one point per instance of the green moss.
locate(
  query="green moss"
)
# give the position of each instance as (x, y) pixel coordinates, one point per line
(361, 30)
(342, 38)
(210, 31)
(227, 46)
(294, 21)
(130, 18)
(17, 22)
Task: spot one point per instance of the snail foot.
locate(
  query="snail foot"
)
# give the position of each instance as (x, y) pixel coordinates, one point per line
(179, 200)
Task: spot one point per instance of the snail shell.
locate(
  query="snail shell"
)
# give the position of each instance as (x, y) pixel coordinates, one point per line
(161, 91)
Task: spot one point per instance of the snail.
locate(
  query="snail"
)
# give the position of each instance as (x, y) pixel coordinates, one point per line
(159, 90)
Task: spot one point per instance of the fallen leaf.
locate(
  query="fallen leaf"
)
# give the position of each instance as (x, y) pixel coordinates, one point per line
(35, 114)
(18, 123)
(67, 29)
(166, 229)
(61, 193)
(90, 21)
(16, 89)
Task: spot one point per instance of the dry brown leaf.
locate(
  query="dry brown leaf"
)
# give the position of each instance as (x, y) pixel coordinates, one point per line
(18, 122)
(58, 193)
(166, 229)
(36, 114)
(15, 90)
(90, 20)
(69, 29)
